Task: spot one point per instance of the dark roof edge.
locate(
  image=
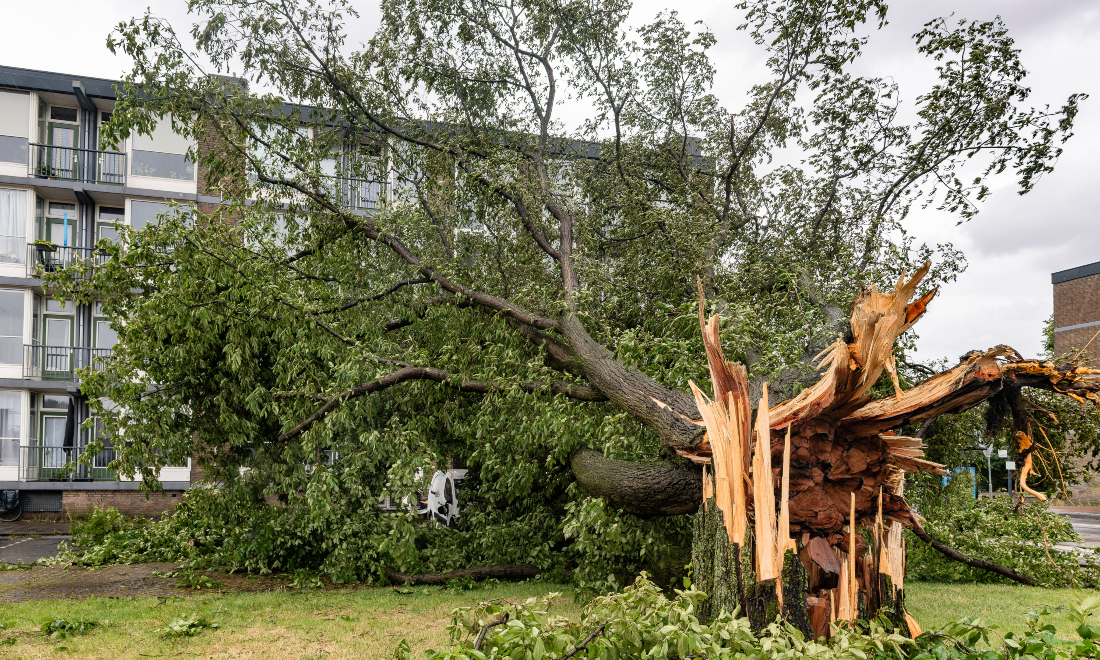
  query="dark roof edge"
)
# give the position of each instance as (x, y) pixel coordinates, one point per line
(60, 83)
(1075, 273)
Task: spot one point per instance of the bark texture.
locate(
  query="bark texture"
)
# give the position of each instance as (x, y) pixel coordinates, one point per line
(645, 489)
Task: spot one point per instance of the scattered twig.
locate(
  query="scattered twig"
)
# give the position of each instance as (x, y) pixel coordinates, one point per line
(484, 629)
(583, 644)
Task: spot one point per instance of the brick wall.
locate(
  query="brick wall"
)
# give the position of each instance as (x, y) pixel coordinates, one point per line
(129, 502)
(1076, 302)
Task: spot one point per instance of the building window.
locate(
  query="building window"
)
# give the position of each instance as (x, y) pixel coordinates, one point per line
(61, 224)
(14, 129)
(11, 405)
(162, 166)
(13, 226)
(162, 154)
(143, 213)
(105, 226)
(105, 335)
(63, 114)
(11, 327)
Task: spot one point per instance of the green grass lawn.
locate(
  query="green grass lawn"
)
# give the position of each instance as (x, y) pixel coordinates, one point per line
(369, 622)
(1001, 605)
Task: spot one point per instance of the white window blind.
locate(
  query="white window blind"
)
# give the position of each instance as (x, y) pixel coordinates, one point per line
(15, 114)
(13, 226)
(163, 140)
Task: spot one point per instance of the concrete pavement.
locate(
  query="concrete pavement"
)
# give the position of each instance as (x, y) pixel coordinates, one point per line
(28, 549)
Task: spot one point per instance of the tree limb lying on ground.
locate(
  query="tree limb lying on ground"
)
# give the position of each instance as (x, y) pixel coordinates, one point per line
(952, 553)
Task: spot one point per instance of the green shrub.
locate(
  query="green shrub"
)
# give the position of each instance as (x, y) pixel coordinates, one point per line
(303, 578)
(1019, 537)
(642, 622)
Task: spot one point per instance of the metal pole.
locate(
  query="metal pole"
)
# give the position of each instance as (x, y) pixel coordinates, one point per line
(1010, 483)
(989, 467)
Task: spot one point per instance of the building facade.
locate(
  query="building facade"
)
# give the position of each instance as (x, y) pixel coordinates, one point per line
(1077, 311)
(61, 192)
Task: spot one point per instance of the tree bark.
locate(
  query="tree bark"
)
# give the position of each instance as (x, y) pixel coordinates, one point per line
(645, 489)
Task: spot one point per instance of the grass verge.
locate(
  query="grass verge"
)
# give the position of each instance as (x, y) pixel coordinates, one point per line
(284, 625)
(369, 622)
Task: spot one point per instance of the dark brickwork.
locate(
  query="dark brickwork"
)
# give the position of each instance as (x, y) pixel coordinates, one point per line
(132, 503)
(1077, 302)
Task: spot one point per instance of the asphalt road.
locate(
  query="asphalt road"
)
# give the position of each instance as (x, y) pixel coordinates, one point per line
(28, 549)
(1085, 521)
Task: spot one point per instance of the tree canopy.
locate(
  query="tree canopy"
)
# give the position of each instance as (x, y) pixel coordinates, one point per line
(418, 257)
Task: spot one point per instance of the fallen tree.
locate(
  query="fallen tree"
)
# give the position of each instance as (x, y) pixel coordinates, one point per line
(412, 261)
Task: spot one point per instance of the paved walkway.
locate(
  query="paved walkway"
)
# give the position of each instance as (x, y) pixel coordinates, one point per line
(28, 549)
(21, 528)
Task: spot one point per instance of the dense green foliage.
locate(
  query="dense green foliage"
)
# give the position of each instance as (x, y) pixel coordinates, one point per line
(641, 622)
(1020, 537)
(313, 356)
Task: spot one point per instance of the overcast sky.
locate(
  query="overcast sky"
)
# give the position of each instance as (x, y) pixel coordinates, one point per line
(1013, 245)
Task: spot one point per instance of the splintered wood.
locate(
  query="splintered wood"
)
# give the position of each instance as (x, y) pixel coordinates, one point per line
(1023, 445)
(842, 460)
(763, 497)
(835, 447)
(728, 422)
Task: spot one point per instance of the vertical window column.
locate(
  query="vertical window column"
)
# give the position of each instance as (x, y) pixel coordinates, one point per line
(13, 226)
(11, 408)
(11, 327)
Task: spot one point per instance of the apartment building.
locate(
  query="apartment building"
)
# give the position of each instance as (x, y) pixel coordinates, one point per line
(60, 192)
(1077, 311)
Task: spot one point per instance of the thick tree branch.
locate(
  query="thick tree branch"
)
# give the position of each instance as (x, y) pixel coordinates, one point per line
(410, 372)
(645, 489)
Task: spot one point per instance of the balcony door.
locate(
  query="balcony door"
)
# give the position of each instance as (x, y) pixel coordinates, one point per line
(59, 354)
(63, 156)
(55, 230)
(53, 441)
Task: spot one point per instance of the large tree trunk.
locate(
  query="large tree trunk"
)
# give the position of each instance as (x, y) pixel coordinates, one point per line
(787, 494)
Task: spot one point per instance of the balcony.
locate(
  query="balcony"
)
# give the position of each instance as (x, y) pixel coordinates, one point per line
(362, 194)
(47, 161)
(41, 463)
(43, 258)
(60, 362)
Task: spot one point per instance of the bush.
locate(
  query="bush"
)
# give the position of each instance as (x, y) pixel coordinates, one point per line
(1019, 537)
(641, 622)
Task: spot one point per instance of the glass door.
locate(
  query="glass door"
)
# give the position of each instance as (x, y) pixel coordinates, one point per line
(55, 230)
(53, 444)
(59, 352)
(63, 156)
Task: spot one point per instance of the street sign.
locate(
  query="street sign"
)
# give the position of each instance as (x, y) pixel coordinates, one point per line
(1010, 465)
(1002, 453)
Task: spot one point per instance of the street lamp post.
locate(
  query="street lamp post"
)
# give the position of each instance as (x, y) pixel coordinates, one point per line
(988, 451)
